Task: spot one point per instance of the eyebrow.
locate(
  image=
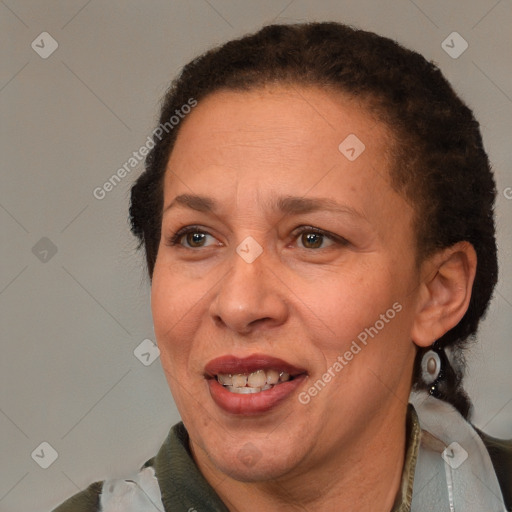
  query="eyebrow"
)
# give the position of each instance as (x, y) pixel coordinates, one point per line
(298, 205)
(194, 202)
(288, 205)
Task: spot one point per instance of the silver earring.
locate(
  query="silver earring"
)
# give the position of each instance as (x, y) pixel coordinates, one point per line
(430, 367)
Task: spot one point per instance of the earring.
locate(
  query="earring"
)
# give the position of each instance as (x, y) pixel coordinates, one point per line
(431, 370)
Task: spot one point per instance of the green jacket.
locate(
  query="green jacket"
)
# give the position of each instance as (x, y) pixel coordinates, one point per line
(184, 489)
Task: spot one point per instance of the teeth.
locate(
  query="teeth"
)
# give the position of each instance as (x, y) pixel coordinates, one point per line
(257, 381)
(272, 377)
(239, 381)
(243, 391)
(224, 379)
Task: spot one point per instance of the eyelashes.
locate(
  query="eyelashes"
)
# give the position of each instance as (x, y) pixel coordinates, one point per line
(311, 238)
(315, 237)
(194, 235)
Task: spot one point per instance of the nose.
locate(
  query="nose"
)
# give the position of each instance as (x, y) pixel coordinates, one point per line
(249, 298)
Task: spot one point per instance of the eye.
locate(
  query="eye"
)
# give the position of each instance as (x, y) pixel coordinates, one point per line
(192, 237)
(314, 238)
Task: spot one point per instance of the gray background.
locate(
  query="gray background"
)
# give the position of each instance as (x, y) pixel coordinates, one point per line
(70, 321)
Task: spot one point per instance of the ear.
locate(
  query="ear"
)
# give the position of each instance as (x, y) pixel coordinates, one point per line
(444, 292)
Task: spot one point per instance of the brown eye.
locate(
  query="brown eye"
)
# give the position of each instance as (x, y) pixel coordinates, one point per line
(312, 240)
(307, 237)
(194, 239)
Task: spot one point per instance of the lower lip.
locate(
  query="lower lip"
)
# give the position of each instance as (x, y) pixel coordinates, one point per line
(253, 403)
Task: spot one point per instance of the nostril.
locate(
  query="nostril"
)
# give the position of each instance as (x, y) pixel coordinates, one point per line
(260, 321)
(218, 321)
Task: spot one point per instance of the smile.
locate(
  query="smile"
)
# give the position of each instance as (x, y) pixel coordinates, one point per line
(254, 382)
(251, 385)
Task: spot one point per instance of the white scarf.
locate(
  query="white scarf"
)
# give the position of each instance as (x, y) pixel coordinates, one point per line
(141, 493)
(454, 472)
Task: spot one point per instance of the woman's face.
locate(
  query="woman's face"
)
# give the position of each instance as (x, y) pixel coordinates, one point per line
(284, 250)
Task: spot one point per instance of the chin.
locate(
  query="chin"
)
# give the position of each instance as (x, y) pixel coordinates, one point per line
(248, 464)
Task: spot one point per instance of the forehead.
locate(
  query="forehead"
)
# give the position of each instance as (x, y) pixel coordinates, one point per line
(266, 120)
(283, 141)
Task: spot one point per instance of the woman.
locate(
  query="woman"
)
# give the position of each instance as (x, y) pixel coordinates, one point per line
(317, 217)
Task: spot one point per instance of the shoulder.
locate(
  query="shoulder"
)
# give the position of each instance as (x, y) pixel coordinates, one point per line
(87, 500)
(164, 477)
(139, 492)
(500, 451)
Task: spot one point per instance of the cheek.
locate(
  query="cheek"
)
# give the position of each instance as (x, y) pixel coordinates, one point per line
(364, 319)
(175, 297)
(172, 310)
(347, 302)
(172, 306)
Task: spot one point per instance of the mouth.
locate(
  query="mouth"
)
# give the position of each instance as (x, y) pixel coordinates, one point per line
(251, 385)
(254, 382)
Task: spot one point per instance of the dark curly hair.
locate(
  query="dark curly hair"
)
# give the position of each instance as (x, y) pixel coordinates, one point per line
(440, 165)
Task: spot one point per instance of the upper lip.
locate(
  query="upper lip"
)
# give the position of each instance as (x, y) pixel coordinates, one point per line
(229, 364)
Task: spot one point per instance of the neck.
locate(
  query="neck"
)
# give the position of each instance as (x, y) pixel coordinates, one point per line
(366, 471)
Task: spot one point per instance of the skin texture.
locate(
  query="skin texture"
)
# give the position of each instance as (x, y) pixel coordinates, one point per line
(305, 305)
